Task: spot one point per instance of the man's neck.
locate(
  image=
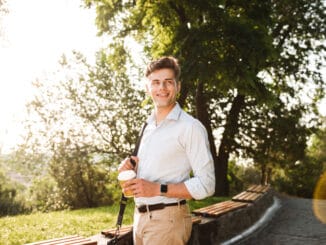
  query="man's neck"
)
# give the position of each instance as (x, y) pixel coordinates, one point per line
(162, 112)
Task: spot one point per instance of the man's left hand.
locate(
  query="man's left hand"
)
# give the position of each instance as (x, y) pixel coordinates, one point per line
(142, 188)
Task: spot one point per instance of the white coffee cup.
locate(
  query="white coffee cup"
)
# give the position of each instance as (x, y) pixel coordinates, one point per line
(123, 177)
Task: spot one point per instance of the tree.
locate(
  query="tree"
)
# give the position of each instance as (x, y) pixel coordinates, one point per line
(9, 204)
(85, 124)
(318, 145)
(232, 52)
(276, 139)
(302, 178)
(110, 102)
(80, 182)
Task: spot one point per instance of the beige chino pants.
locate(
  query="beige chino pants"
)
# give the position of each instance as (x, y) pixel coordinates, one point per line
(168, 226)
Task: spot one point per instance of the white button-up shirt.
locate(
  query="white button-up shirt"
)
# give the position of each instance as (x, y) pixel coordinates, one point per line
(170, 151)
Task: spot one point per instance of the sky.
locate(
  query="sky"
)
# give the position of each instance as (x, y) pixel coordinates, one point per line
(36, 34)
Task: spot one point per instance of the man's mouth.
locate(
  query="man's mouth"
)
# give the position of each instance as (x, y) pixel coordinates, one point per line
(162, 95)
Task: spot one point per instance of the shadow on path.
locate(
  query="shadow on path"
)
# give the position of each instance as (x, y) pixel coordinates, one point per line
(293, 223)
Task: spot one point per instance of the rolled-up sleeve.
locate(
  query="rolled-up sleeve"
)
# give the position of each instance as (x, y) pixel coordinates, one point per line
(202, 184)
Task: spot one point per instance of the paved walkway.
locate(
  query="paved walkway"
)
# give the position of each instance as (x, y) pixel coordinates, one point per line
(294, 223)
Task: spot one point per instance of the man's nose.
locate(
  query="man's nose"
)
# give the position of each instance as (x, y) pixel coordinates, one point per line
(163, 84)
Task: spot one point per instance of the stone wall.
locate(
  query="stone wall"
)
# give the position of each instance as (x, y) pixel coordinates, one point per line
(217, 230)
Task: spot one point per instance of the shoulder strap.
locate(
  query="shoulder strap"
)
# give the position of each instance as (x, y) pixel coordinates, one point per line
(123, 200)
(135, 152)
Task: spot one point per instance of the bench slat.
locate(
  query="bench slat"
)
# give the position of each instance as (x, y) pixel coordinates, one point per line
(219, 209)
(61, 239)
(68, 240)
(195, 220)
(85, 242)
(259, 188)
(247, 197)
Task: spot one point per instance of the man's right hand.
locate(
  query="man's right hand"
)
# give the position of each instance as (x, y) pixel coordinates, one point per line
(127, 165)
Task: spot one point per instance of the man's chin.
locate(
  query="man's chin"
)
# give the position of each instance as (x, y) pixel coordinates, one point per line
(161, 104)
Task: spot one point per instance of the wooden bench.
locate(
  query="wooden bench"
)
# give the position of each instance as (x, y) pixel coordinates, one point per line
(219, 209)
(68, 240)
(259, 188)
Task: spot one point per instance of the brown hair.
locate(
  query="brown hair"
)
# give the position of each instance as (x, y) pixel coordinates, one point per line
(168, 62)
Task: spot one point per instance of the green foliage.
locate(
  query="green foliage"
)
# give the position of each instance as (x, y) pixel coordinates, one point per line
(108, 100)
(80, 182)
(9, 203)
(242, 176)
(300, 179)
(43, 195)
(318, 145)
(266, 140)
(86, 124)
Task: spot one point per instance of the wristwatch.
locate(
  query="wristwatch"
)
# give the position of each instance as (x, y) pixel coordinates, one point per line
(164, 189)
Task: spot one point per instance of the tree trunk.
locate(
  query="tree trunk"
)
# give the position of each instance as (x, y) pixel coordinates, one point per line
(226, 146)
(269, 175)
(183, 95)
(266, 174)
(203, 116)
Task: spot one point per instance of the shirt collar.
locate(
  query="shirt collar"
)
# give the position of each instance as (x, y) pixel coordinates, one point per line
(173, 115)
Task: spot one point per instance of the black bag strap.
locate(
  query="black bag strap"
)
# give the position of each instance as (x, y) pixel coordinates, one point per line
(135, 152)
(123, 200)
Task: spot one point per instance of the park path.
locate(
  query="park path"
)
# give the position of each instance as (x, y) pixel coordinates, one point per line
(294, 223)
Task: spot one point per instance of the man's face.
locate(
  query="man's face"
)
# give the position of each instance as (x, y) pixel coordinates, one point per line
(163, 88)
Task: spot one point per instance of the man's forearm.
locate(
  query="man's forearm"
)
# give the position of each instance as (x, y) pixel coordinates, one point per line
(178, 190)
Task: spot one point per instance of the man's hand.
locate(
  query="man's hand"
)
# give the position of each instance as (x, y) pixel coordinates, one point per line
(142, 188)
(127, 165)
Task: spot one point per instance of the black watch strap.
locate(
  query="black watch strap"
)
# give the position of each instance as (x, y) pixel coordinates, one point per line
(164, 189)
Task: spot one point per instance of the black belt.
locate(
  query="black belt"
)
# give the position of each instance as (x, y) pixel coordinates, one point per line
(145, 208)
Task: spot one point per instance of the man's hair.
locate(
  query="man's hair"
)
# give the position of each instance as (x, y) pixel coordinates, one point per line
(165, 62)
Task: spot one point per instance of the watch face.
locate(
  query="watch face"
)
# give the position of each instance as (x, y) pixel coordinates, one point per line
(164, 188)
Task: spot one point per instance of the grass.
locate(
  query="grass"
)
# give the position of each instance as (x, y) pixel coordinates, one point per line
(23, 229)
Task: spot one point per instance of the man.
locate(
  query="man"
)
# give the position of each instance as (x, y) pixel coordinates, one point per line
(173, 144)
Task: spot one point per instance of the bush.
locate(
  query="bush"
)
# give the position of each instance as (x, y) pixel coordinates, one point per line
(9, 203)
(299, 179)
(43, 195)
(241, 177)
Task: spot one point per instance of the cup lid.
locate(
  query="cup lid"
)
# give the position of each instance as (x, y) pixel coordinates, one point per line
(126, 175)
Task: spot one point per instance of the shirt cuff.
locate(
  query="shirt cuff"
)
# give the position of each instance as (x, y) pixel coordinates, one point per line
(199, 191)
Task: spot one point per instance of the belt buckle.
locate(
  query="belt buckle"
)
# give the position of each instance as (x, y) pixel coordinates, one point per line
(142, 208)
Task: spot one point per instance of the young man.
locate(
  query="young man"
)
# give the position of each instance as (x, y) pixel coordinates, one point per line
(173, 144)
